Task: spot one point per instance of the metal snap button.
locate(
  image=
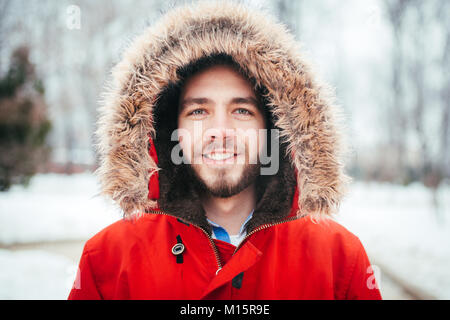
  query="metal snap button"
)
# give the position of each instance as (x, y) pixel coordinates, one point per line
(178, 249)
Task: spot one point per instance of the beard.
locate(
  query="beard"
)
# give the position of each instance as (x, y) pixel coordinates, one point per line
(221, 183)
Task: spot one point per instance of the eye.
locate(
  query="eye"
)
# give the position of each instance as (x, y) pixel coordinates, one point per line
(243, 111)
(196, 112)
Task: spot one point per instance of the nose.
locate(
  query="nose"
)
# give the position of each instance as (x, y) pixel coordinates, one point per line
(220, 127)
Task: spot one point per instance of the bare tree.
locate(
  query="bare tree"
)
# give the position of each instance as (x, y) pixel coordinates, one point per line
(443, 16)
(419, 84)
(397, 115)
(4, 10)
(289, 13)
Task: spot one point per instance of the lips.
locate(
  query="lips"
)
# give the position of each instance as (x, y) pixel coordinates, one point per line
(219, 157)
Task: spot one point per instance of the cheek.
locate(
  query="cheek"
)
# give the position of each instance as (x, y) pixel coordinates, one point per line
(190, 142)
(254, 141)
(185, 138)
(186, 146)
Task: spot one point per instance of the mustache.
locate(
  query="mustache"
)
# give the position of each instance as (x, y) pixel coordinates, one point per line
(227, 145)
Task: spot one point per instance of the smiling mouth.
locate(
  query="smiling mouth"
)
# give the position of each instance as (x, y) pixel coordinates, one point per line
(220, 156)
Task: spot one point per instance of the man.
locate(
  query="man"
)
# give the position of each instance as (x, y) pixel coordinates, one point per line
(224, 154)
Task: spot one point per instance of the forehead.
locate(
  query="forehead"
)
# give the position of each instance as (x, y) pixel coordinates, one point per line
(217, 81)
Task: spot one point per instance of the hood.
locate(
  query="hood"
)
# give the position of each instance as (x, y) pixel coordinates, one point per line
(133, 168)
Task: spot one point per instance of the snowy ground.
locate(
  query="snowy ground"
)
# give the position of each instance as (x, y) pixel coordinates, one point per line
(35, 274)
(53, 208)
(402, 232)
(397, 225)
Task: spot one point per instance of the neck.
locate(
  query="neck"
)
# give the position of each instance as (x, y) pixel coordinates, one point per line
(230, 213)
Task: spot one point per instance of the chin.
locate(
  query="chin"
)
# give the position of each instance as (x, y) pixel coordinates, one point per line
(226, 178)
(225, 183)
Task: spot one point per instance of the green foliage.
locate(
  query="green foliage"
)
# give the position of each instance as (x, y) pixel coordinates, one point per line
(24, 125)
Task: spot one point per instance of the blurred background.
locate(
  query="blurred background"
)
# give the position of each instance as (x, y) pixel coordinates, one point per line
(388, 61)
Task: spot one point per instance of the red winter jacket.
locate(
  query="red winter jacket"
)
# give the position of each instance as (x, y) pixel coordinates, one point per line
(296, 259)
(285, 255)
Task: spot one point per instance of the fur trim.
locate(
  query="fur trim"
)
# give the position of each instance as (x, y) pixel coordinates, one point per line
(301, 107)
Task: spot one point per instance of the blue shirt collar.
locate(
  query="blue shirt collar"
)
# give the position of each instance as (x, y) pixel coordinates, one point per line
(221, 234)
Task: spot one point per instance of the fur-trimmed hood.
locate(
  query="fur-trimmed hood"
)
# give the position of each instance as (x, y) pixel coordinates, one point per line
(131, 171)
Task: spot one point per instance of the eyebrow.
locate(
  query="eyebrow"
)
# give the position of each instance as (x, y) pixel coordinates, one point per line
(236, 100)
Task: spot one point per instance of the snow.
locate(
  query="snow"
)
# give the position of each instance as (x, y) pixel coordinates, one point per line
(397, 225)
(54, 207)
(402, 232)
(35, 274)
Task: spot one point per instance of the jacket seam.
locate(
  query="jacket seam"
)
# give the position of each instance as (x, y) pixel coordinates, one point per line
(94, 278)
(352, 272)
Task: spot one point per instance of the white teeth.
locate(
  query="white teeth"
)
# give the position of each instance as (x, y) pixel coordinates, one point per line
(219, 156)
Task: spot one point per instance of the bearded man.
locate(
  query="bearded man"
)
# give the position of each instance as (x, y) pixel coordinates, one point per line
(224, 153)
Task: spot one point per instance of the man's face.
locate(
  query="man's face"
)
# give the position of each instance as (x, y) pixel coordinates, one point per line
(219, 126)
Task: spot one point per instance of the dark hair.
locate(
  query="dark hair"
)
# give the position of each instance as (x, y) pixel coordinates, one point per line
(208, 62)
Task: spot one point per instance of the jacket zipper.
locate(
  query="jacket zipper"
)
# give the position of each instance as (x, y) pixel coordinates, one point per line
(211, 241)
(265, 226)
